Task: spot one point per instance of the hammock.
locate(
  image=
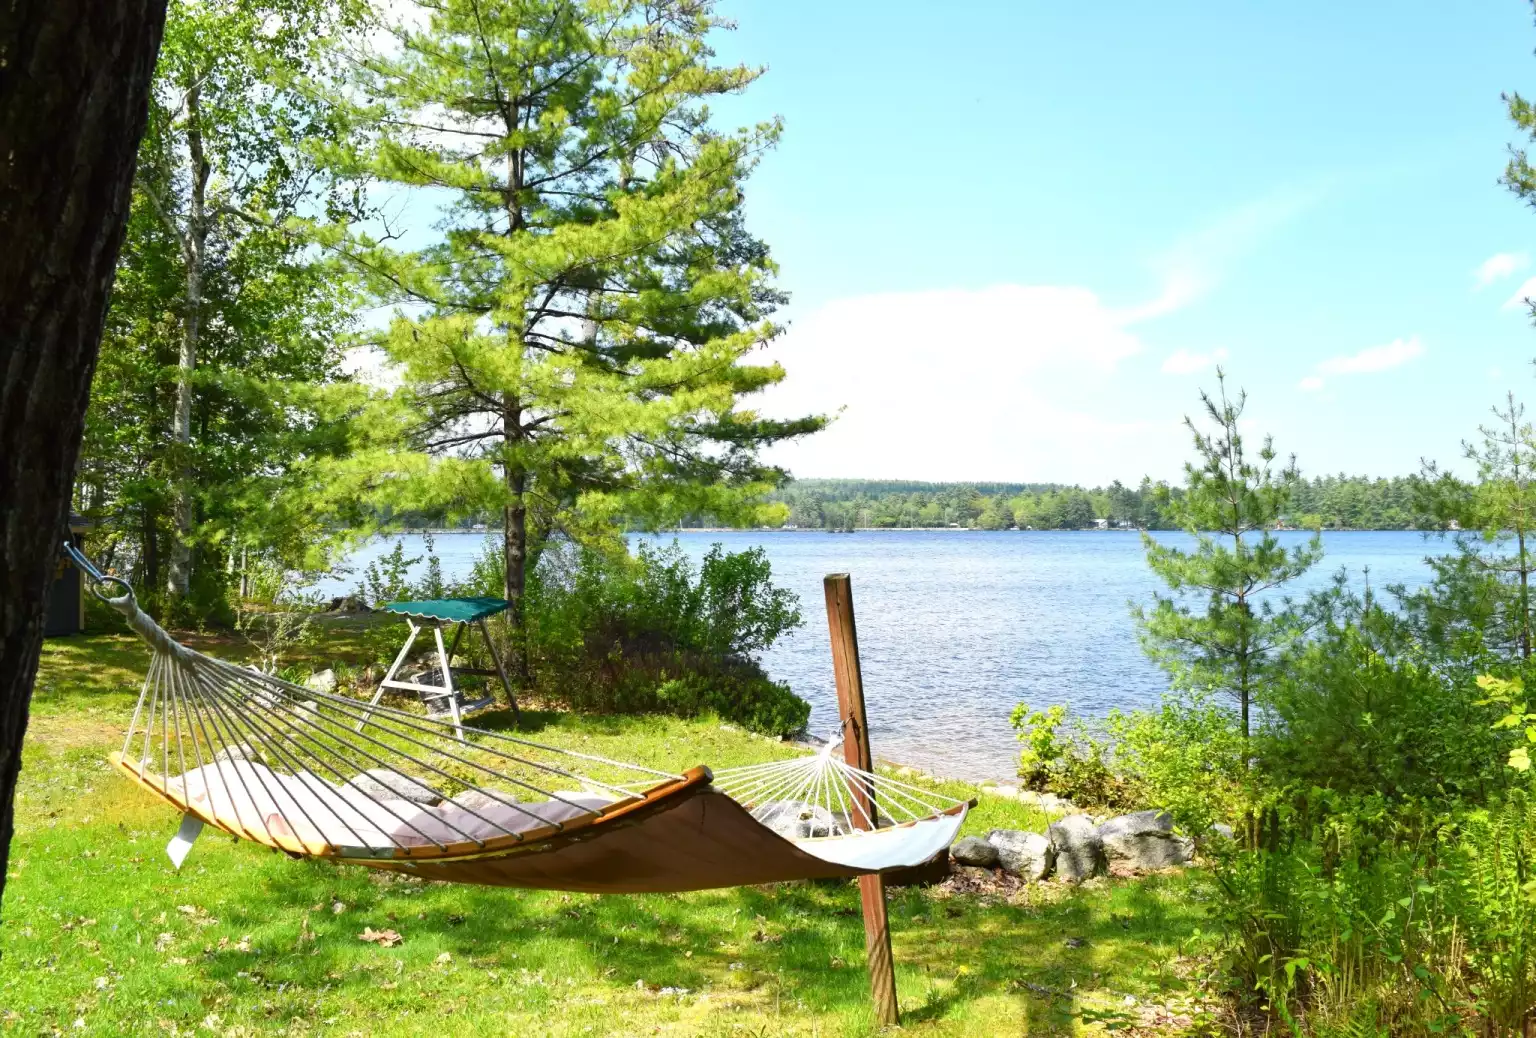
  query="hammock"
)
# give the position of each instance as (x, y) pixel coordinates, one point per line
(320, 775)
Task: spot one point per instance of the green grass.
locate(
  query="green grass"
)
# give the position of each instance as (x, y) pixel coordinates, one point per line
(102, 936)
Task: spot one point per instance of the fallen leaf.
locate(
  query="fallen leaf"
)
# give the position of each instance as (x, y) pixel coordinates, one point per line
(444, 958)
(383, 938)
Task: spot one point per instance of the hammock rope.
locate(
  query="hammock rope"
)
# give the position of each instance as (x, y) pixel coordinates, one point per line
(317, 773)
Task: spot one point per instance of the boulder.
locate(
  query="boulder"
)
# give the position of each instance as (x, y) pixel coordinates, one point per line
(475, 800)
(239, 751)
(797, 820)
(1027, 855)
(1223, 831)
(322, 681)
(386, 784)
(1052, 802)
(347, 604)
(973, 850)
(1079, 850)
(1143, 841)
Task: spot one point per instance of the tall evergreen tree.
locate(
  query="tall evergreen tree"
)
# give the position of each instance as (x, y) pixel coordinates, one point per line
(1218, 629)
(1481, 596)
(572, 353)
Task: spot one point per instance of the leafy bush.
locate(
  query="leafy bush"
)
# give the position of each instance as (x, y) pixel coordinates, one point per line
(1068, 759)
(613, 632)
(1186, 758)
(388, 577)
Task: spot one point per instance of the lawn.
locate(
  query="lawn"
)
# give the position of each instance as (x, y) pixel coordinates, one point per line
(101, 936)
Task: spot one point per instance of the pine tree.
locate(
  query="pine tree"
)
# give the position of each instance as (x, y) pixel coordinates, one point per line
(572, 352)
(1217, 629)
(1487, 577)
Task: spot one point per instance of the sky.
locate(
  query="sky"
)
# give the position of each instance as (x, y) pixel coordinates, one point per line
(1019, 237)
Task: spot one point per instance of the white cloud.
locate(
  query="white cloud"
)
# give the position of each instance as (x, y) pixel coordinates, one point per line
(1499, 266)
(1376, 358)
(994, 383)
(1182, 362)
(1368, 361)
(1196, 263)
(1006, 382)
(1525, 292)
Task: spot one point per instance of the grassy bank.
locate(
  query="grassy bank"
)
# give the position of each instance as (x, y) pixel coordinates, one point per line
(101, 936)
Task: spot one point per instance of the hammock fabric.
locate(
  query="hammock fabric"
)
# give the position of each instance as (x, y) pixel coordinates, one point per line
(320, 775)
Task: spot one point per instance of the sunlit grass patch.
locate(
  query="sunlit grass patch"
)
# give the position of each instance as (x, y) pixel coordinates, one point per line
(100, 929)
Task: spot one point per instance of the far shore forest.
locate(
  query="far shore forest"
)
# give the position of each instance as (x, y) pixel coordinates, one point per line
(1323, 502)
(1337, 502)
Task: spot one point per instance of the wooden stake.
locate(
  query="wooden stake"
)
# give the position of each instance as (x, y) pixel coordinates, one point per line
(850, 709)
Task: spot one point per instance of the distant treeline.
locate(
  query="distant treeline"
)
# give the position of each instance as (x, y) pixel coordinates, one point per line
(1331, 502)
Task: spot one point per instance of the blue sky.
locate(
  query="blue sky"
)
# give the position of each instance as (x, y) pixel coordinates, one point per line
(1017, 235)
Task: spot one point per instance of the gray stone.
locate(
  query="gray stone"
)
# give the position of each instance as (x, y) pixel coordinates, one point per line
(1224, 831)
(1079, 851)
(322, 681)
(1144, 840)
(239, 751)
(1027, 855)
(475, 800)
(797, 820)
(973, 850)
(387, 784)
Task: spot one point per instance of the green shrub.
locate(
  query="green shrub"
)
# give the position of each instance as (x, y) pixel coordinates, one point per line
(1186, 758)
(751, 700)
(1068, 759)
(614, 632)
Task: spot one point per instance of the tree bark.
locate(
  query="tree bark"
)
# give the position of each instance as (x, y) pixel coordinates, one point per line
(74, 87)
(514, 541)
(194, 245)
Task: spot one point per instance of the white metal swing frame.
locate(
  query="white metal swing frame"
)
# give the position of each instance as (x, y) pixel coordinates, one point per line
(432, 695)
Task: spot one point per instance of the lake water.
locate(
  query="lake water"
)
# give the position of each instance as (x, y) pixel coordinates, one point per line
(955, 627)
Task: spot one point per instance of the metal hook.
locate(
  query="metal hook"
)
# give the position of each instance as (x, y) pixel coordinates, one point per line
(89, 569)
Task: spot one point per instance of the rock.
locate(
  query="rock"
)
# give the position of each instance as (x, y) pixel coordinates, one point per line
(1143, 841)
(322, 681)
(1006, 792)
(239, 751)
(973, 850)
(385, 784)
(1052, 802)
(475, 800)
(347, 604)
(797, 820)
(1027, 855)
(309, 710)
(1079, 851)
(1223, 831)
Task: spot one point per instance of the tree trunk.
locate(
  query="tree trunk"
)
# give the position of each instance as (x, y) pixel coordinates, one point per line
(1525, 599)
(515, 541)
(179, 579)
(150, 577)
(74, 87)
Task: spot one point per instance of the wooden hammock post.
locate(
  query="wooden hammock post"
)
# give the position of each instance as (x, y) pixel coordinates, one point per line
(850, 708)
